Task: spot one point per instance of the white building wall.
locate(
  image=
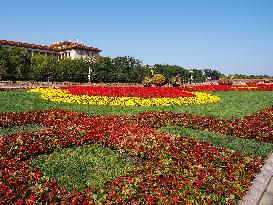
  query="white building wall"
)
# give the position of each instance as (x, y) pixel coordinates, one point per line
(73, 54)
(96, 54)
(76, 54)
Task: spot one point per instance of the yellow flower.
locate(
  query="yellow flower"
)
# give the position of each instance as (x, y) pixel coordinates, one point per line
(58, 95)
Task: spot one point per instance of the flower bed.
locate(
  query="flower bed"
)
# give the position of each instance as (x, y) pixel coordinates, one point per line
(143, 92)
(7, 89)
(111, 96)
(249, 87)
(257, 126)
(177, 170)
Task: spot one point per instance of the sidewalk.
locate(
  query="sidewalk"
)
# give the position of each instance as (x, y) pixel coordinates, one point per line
(267, 197)
(261, 191)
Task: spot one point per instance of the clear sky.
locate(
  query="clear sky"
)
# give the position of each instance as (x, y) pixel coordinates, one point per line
(232, 36)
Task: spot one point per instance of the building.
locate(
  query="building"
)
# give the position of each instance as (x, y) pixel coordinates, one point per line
(61, 50)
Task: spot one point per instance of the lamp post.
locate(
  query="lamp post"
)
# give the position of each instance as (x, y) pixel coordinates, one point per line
(89, 74)
(152, 69)
(191, 72)
(90, 60)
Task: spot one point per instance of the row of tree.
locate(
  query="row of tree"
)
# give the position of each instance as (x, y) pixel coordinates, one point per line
(241, 76)
(16, 64)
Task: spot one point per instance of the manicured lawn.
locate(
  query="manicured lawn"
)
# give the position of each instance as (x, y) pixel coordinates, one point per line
(245, 146)
(17, 129)
(84, 166)
(232, 105)
(140, 155)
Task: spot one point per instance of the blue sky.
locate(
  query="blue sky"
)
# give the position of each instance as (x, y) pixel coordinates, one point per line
(232, 36)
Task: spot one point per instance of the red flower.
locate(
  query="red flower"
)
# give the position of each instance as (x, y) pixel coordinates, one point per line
(175, 199)
(32, 197)
(143, 92)
(198, 182)
(119, 200)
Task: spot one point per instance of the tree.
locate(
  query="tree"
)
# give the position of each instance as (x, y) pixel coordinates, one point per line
(212, 74)
(198, 76)
(14, 64)
(52, 65)
(171, 71)
(38, 67)
(20, 64)
(127, 69)
(80, 69)
(4, 63)
(101, 70)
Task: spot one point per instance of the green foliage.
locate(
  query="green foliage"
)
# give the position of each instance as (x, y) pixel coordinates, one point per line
(102, 70)
(242, 76)
(158, 80)
(170, 71)
(14, 64)
(18, 129)
(127, 69)
(212, 74)
(85, 166)
(38, 67)
(198, 76)
(4, 63)
(245, 146)
(232, 105)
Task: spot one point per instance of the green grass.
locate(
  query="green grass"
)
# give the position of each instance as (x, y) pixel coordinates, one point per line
(93, 165)
(84, 166)
(17, 129)
(232, 105)
(245, 146)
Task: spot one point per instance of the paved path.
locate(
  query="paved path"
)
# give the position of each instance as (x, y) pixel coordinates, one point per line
(267, 197)
(261, 191)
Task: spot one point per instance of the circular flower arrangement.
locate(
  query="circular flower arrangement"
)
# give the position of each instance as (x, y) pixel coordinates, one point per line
(124, 96)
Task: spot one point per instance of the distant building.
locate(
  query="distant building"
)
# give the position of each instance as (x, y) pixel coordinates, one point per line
(61, 50)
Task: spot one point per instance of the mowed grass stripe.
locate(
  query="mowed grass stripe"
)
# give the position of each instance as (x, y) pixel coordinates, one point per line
(245, 146)
(83, 166)
(232, 105)
(17, 129)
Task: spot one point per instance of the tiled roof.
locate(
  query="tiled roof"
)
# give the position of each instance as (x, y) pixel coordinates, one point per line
(60, 46)
(65, 45)
(25, 45)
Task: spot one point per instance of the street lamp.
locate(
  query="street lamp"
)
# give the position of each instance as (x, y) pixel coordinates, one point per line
(89, 60)
(152, 69)
(89, 74)
(191, 73)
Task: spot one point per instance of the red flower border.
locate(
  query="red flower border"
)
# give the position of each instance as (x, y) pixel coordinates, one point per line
(126, 91)
(177, 170)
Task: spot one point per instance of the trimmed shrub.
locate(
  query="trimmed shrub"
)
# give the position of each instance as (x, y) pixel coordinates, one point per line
(147, 82)
(159, 80)
(249, 82)
(224, 81)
